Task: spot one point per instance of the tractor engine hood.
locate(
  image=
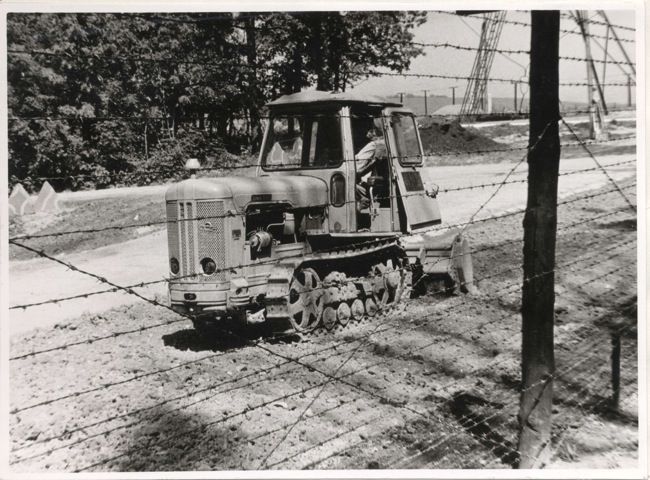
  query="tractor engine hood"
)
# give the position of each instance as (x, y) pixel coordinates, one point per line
(298, 190)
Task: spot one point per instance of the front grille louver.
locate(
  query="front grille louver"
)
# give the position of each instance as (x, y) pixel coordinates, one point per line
(197, 227)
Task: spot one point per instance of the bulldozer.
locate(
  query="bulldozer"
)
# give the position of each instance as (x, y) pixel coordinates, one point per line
(337, 224)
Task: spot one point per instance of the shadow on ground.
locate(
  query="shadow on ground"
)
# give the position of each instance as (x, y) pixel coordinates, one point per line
(173, 439)
(231, 337)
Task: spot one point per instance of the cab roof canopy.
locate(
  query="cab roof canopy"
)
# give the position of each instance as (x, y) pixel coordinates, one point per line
(316, 97)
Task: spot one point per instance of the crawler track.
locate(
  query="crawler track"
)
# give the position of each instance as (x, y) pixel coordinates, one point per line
(329, 290)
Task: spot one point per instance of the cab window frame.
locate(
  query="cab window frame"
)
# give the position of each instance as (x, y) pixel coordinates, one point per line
(404, 160)
(307, 118)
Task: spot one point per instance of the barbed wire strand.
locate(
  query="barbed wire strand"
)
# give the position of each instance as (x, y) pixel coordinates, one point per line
(513, 52)
(232, 214)
(465, 422)
(166, 279)
(572, 262)
(593, 157)
(555, 375)
(314, 463)
(115, 289)
(527, 25)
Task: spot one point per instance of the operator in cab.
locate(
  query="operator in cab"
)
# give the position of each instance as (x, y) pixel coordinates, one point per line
(366, 159)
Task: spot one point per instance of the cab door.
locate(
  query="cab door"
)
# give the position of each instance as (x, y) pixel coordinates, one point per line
(420, 211)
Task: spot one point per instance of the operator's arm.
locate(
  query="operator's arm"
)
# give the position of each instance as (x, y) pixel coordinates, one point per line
(365, 159)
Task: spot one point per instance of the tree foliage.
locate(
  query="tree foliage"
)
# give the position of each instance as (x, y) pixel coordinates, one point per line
(125, 98)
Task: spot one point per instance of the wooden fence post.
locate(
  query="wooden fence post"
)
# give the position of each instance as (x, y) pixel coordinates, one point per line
(540, 225)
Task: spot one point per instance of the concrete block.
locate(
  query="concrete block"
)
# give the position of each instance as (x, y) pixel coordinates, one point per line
(47, 200)
(20, 202)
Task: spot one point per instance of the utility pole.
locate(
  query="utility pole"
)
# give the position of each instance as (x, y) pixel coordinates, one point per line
(540, 226)
(605, 58)
(453, 95)
(618, 41)
(426, 108)
(595, 94)
(592, 75)
(514, 108)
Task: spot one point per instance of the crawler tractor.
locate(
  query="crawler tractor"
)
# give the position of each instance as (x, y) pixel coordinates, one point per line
(307, 242)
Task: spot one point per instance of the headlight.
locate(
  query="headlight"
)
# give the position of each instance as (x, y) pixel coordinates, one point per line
(208, 265)
(174, 266)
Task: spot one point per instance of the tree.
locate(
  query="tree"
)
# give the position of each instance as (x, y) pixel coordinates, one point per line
(115, 94)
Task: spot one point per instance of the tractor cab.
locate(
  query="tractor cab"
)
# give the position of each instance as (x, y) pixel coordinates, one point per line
(365, 149)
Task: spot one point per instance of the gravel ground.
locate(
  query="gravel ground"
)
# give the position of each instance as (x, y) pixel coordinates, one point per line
(432, 384)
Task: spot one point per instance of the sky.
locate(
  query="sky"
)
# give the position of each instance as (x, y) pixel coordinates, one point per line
(443, 28)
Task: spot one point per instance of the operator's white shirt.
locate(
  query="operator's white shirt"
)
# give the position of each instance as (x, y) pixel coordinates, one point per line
(368, 156)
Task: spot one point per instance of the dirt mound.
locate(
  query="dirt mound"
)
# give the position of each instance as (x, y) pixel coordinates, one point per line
(443, 136)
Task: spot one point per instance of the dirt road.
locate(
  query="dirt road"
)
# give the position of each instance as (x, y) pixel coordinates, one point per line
(145, 258)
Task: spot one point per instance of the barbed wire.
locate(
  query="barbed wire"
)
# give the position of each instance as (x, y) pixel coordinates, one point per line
(131, 176)
(141, 59)
(584, 357)
(234, 21)
(141, 297)
(125, 175)
(238, 414)
(166, 279)
(267, 66)
(524, 180)
(243, 412)
(586, 350)
(231, 214)
(314, 463)
(435, 228)
(375, 73)
(333, 376)
(513, 52)
(560, 438)
(104, 433)
(263, 404)
(470, 424)
(526, 24)
(165, 323)
(593, 157)
(463, 418)
(509, 174)
(599, 22)
(294, 359)
(220, 270)
(210, 387)
(514, 116)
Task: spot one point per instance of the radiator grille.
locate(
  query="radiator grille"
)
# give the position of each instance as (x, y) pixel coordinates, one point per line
(211, 236)
(183, 239)
(196, 231)
(172, 230)
(412, 181)
(191, 227)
